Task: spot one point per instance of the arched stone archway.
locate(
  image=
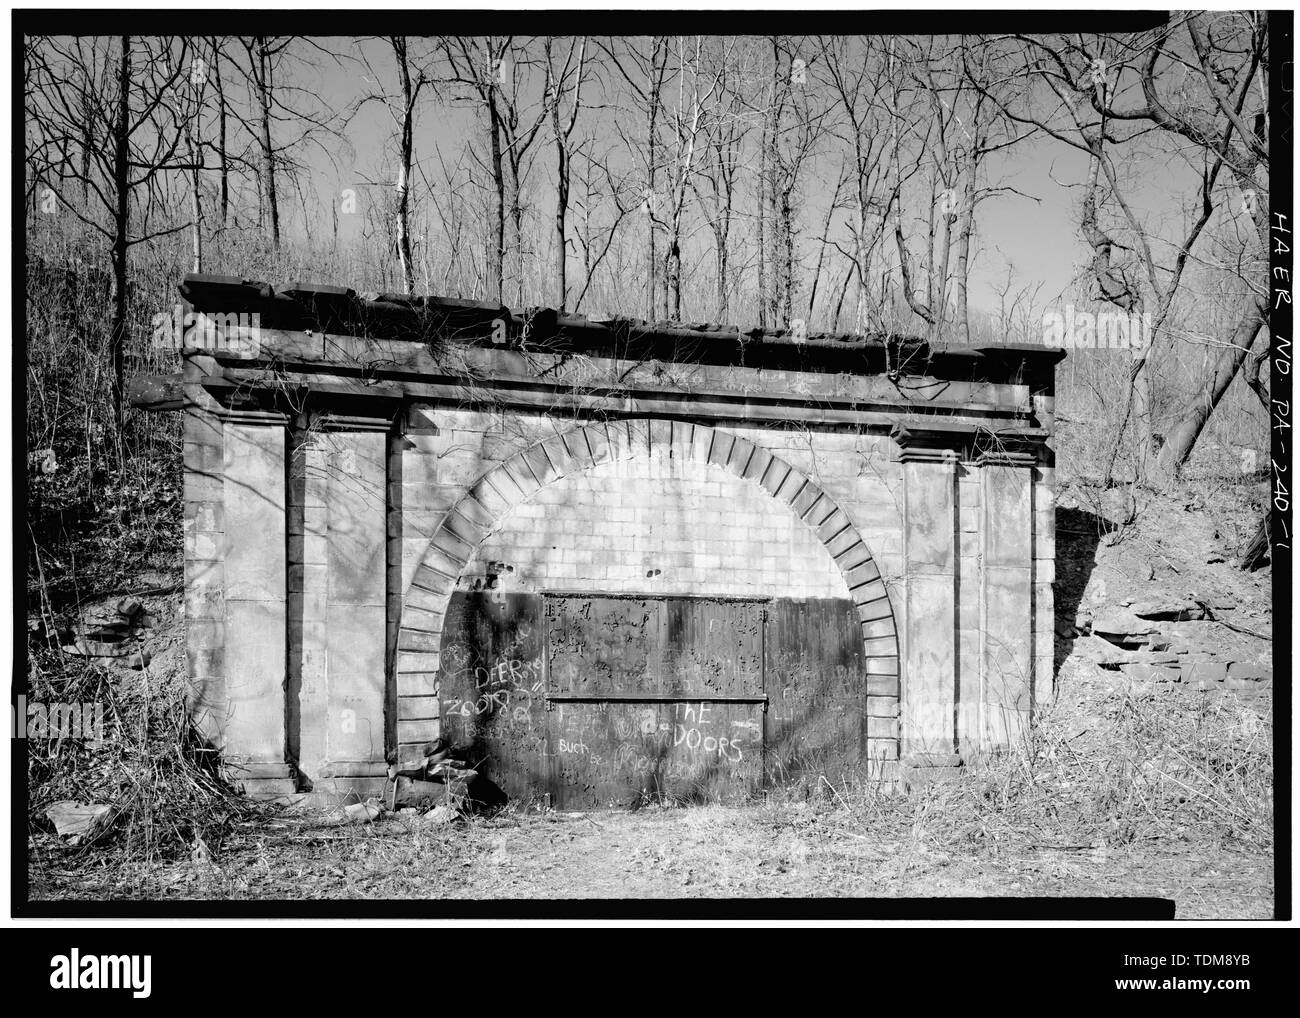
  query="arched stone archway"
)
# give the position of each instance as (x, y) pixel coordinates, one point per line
(501, 489)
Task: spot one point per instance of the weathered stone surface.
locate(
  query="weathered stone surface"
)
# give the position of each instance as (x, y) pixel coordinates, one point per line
(1205, 671)
(355, 647)
(254, 655)
(416, 793)
(254, 499)
(255, 592)
(357, 528)
(1152, 673)
(1252, 671)
(1118, 625)
(928, 716)
(1007, 611)
(1167, 611)
(1122, 659)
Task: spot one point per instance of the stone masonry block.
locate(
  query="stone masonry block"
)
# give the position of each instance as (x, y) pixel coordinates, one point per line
(415, 661)
(456, 549)
(254, 494)
(869, 593)
(413, 640)
(597, 439)
(881, 646)
(742, 450)
(881, 627)
(760, 464)
(463, 527)
(720, 448)
(417, 708)
(415, 733)
(859, 575)
(559, 457)
(661, 437)
(806, 501)
(882, 686)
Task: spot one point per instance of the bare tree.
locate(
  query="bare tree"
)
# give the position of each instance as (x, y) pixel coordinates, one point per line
(716, 185)
(643, 73)
(134, 131)
(478, 65)
(600, 187)
(261, 52)
(856, 71)
(798, 123)
(413, 76)
(1221, 110)
(694, 95)
(562, 127)
(282, 116)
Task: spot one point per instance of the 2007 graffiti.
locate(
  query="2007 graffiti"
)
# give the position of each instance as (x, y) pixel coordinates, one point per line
(498, 685)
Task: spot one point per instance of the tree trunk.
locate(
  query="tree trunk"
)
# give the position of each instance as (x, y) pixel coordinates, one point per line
(666, 300)
(762, 230)
(962, 281)
(939, 300)
(652, 125)
(821, 256)
(561, 252)
(1260, 546)
(674, 276)
(496, 260)
(773, 296)
(268, 153)
(517, 219)
(1182, 438)
(87, 143)
(561, 204)
(844, 289)
(121, 228)
(720, 237)
(221, 133)
(787, 237)
(196, 201)
(404, 171)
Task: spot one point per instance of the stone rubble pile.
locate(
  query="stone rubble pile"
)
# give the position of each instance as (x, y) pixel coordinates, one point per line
(1170, 641)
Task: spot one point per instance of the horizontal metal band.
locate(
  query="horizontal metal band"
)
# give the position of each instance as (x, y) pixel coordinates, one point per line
(650, 698)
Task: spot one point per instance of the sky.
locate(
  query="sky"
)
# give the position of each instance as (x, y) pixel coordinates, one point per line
(1036, 237)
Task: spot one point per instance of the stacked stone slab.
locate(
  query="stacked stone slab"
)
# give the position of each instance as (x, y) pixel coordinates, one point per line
(1172, 641)
(350, 464)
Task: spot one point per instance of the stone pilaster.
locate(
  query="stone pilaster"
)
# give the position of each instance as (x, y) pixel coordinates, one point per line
(1007, 596)
(344, 597)
(929, 651)
(1044, 577)
(970, 633)
(205, 548)
(253, 486)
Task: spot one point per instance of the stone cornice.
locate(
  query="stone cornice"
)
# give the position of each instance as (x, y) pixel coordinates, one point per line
(948, 440)
(383, 397)
(325, 312)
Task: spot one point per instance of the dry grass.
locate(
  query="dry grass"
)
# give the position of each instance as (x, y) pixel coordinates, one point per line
(167, 798)
(1132, 767)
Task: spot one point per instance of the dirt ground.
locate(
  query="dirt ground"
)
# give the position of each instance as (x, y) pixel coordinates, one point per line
(708, 852)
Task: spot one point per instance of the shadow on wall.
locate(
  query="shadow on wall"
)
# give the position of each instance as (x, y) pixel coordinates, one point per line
(1078, 534)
